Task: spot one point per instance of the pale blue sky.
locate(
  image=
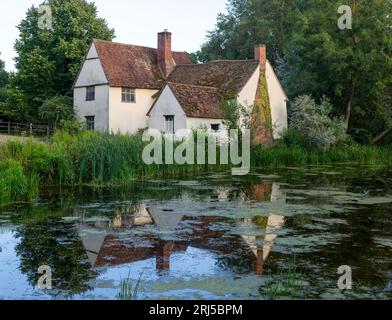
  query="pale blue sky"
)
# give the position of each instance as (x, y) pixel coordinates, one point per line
(135, 21)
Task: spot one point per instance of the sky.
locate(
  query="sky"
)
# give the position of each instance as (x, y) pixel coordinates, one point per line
(135, 22)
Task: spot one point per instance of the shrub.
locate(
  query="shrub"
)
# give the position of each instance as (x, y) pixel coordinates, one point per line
(314, 125)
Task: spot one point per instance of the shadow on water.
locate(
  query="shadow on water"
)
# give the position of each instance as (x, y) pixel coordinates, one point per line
(209, 236)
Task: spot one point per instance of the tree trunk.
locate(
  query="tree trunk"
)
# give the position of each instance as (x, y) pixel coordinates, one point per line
(378, 137)
(350, 103)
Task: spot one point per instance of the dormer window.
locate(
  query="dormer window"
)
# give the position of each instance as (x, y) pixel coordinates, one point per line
(128, 95)
(90, 93)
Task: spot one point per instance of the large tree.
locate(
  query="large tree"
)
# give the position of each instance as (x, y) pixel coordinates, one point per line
(352, 67)
(48, 58)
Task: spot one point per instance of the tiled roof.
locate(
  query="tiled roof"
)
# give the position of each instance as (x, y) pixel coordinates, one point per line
(132, 66)
(198, 101)
(229, 77)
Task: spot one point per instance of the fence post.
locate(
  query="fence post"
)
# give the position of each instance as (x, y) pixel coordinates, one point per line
(9, 127)
(31, 129)
(47, 131)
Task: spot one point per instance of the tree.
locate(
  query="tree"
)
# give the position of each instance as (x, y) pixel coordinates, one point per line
(3, 82)
(49, 58)
(352, 67)
(251, 22)
(56, 109)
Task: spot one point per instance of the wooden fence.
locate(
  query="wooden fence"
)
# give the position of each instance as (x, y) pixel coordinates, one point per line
(23, 129)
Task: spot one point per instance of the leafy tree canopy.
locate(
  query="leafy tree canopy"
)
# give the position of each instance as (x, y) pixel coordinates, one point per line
(352, 67)
(49, 58)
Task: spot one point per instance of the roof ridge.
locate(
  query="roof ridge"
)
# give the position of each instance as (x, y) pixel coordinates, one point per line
(133, 45)
(192, 85)
(215, 61)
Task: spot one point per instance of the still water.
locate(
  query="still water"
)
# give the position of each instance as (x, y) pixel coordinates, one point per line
(211, 236)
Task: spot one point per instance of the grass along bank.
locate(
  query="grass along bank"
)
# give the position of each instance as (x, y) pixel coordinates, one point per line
(97, 159)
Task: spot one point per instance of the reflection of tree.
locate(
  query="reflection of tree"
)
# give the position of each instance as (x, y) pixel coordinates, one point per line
(57, 245)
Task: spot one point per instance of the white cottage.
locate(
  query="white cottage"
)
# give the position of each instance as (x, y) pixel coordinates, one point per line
(124, 88)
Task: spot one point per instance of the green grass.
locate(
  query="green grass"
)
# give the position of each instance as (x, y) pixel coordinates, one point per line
(101, 159)
(281, 156)
(287, 284)
(128, 291)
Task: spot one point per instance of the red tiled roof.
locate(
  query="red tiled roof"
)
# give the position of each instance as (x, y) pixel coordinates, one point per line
(229, 77)
(132, 66)
(198, 101)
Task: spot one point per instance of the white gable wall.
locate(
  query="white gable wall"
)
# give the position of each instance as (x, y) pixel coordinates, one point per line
(247, 95)
(92, 74)
(278, 102)
(97, 108)
(167, 105)
(129, 117)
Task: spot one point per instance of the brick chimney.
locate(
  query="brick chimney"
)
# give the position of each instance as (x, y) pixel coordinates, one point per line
(261, 55)
(166, 62)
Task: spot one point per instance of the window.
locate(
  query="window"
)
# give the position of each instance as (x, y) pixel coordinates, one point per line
(128, 95)
(169, 124)
(90, 123)
(90, 93)
(215, 127)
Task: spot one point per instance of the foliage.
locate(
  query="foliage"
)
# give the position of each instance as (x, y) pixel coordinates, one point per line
(287, 283)
(101, 159)
(3, 74)
(56, 109)
(3, 82)
(353, 68)
(235, 114)
(314, 125)
(128, 291)
(15, 185)
(48, 60)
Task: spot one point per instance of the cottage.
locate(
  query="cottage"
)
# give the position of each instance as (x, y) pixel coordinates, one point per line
(124, 88)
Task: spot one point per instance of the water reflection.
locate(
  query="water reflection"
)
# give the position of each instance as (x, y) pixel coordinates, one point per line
(106, 243)
(214, 236)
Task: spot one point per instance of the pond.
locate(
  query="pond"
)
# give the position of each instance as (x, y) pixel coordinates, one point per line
(272, 234)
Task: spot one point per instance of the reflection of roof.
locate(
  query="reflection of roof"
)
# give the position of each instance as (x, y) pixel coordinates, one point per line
(133, 66)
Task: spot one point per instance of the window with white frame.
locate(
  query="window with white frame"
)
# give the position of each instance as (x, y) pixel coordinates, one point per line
(90, 123)
(169, 124)
(128, 95)
(90, 93)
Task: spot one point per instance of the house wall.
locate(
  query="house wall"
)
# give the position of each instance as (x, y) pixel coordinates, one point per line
(197, 123)
(127, 117)
(278, 102)
(167, 105)
(92, 74)
(97, 108)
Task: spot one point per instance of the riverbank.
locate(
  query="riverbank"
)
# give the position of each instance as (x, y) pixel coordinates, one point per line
(97, 159)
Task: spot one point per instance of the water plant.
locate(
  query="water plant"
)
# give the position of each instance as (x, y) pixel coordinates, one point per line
(287, 284)
(128, 291)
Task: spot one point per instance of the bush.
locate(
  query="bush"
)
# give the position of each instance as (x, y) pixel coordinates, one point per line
(313, 126)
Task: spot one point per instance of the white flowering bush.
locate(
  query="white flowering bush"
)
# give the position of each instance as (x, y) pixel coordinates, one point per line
(314, 125)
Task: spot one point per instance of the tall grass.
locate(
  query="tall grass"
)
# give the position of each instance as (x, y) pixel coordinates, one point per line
(295, 156)
(128, 291)
(92, 158)
(15, 185)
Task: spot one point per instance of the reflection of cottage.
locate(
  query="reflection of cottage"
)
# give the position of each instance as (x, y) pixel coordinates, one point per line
(124, 88)
(104, 247)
